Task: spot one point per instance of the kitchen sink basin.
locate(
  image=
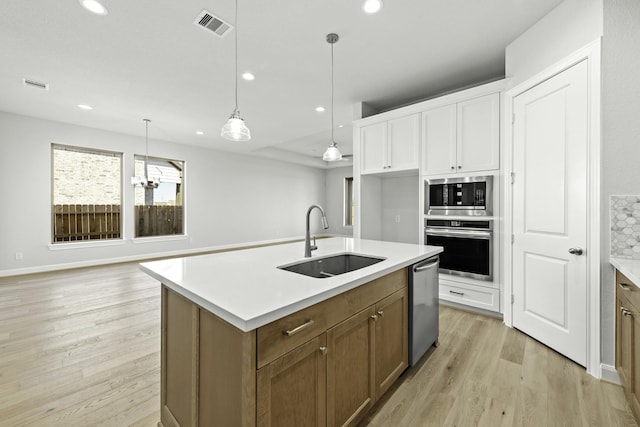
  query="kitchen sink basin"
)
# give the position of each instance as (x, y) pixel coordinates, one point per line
(331, 265)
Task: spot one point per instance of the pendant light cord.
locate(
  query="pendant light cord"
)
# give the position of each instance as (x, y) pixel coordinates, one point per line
(332, 140)
(236, 51)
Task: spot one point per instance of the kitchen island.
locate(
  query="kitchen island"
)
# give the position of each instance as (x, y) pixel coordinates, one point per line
(246, 343)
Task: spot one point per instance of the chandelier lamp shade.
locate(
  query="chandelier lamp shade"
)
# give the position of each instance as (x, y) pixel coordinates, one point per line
(332, 154)
(235, 129)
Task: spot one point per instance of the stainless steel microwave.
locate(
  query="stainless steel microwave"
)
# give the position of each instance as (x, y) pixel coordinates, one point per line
(471, 195)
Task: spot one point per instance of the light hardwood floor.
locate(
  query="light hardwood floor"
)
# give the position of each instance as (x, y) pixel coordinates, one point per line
(81, 348)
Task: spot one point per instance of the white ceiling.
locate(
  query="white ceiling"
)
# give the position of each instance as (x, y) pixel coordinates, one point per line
(146, 59)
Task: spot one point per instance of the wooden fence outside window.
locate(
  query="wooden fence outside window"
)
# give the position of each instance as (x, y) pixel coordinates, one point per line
(95, 222)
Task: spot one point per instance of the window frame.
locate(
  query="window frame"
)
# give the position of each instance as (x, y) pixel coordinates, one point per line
(348, 203)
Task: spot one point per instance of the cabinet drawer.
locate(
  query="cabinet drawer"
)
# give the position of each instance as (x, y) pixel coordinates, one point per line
(485, 298)
(628, 289)
(283, 335)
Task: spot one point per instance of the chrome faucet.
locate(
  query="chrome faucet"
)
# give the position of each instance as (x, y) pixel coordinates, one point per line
(308, 247)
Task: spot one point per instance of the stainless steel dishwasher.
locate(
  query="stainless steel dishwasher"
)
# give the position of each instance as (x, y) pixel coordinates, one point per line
(423, 308)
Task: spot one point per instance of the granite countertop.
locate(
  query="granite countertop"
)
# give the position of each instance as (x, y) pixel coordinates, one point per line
(629, 267)
(246, 288)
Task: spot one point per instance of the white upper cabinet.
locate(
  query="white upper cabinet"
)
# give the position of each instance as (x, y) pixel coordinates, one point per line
(462, 137)
(439, 136)
(391, 145)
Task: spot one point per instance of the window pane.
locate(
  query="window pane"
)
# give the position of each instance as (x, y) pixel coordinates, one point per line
(349, 207)
(159, 210)
(86, 194)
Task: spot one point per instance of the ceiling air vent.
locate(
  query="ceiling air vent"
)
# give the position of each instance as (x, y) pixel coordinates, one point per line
(211, 22)
(33, 83)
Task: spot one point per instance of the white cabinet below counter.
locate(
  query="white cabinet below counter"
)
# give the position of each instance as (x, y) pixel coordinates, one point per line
(462, 137)
(390, 146)
(485, 298)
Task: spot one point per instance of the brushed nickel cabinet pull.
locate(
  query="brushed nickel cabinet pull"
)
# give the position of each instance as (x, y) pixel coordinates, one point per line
(381, 313)
(625, 286)
(374, 316)
(323, 350)
(299, 328)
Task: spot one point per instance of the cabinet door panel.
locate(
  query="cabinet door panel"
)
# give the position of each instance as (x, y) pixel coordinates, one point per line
(292, 389)
(439, 140)
(478, 134)
(373, 145)
(403, 141)
(350, 387)
(391, 340)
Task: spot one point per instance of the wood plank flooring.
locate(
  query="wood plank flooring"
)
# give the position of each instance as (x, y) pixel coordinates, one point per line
(81, 348)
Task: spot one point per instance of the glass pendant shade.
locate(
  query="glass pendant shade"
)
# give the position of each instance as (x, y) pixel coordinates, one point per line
(332, 154)
(235, 129)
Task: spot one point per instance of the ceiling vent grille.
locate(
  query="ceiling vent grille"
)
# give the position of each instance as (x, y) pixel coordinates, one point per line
(212, 23)
(33, 83)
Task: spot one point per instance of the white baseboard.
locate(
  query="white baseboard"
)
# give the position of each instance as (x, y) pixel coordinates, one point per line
(609, 373)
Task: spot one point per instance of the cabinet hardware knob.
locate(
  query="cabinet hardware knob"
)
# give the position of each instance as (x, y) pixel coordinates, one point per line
(625, 286)
(459, 167)
(374, 316)
(381, 313)
(626, 312)
(453, 167)
(298, 328)
(323, 350)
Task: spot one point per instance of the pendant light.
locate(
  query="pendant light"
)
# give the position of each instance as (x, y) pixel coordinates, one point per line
(332, 154)
(235, 129)
(146, 181)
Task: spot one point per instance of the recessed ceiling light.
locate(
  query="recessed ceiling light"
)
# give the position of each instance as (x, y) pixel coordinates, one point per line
(85, 107)
(248, 76)
(320, 109)
(94, 6)
(372, 6)
(199, 132)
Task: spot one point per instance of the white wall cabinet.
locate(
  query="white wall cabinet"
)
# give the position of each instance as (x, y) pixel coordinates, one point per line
(390, 146)
(462, 137)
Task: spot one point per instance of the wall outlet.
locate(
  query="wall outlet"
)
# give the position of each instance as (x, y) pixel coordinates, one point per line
(397, 219)
(19, 256)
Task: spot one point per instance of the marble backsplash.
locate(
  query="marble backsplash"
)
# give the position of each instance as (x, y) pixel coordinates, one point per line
(625, 226)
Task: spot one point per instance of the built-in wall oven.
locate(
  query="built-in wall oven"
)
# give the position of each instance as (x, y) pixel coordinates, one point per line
(467, 243)
(466, 196)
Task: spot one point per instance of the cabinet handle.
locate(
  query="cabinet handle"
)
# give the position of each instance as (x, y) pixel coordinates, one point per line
(374, 316)
(626, 312)
(381, 313)
(299, 328)
(457, 293)
(323, 350)
(453, 168)
(459, 167)
(625, 286)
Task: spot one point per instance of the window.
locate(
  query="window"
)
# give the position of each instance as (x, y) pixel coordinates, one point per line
(86, 194)
(349, 206)
(159, 211)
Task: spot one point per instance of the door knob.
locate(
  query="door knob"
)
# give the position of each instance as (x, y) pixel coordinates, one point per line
(576, 251)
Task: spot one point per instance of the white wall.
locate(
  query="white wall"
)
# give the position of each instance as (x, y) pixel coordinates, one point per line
(570, 26)
(230, 198)
(334, 208)
(400, 209)
(620, 135)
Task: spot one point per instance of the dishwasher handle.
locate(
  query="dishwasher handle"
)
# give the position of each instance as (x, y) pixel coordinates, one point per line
(430, 263)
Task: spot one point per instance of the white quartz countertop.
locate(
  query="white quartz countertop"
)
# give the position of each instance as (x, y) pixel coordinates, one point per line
(246, 288)
(629, 267)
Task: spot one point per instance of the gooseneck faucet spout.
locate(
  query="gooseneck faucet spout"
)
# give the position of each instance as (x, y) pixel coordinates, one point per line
(308, 247)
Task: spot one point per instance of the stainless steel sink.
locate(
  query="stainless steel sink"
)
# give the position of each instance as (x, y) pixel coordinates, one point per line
(331, 265)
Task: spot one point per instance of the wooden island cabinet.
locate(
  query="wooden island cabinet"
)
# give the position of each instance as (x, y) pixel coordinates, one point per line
(325, 365)
(628, 340)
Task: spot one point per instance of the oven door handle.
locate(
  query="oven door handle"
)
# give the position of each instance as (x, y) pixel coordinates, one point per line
(485, 235)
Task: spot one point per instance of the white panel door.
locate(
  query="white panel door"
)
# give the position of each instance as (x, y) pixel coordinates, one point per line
(479, 134)
(404, 141)
(373, 146)
(439, 140)
(550, 212)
